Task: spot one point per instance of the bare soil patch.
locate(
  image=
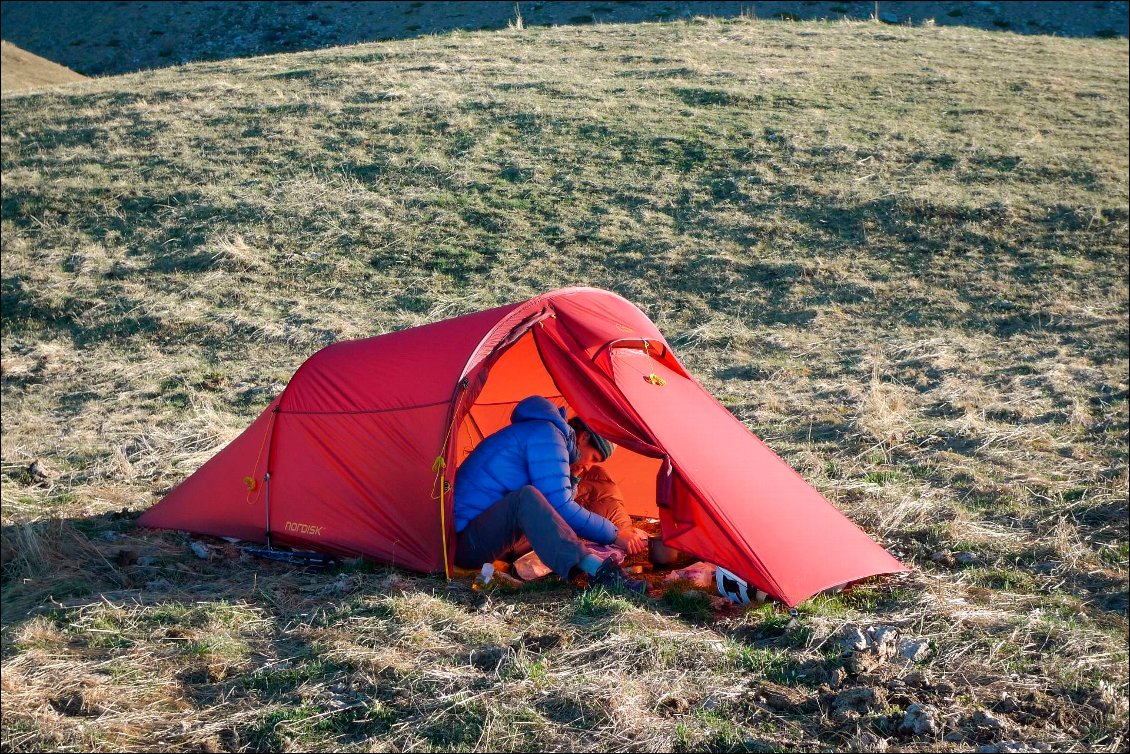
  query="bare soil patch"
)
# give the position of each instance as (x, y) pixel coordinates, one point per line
(20, 69)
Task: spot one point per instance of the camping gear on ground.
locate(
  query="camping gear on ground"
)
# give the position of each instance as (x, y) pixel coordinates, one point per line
(358, 454)
(699, 574)
(305, 558)
(529, 567)
(611, 576)
(606, 551)
(485, 575)
(735, 588)
(660, 554)
(483, 578)
(490, 577)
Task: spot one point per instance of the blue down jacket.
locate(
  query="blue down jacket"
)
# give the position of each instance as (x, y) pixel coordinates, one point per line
(534, 449)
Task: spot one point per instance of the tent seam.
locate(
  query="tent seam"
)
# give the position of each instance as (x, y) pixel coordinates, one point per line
(364, 411)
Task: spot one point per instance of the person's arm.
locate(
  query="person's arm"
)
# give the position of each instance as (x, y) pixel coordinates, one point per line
(547, 460)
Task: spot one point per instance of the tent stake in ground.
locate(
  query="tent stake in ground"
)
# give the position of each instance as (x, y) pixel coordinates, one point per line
(357, 443)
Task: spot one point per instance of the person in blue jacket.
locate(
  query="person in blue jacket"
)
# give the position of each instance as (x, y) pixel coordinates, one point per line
(517, 486)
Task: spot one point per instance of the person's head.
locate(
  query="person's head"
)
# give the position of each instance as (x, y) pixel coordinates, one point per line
(591, 447)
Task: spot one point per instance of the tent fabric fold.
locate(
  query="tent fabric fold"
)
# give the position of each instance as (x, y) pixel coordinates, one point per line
(357, 455)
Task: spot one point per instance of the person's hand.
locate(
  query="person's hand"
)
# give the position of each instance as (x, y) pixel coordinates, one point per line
(631, 539)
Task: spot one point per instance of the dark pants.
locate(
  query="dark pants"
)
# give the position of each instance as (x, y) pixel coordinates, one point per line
(518, 521)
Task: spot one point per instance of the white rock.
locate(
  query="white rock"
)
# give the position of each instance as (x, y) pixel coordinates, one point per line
(880, 635)
(915, 650)
(853, 640)
(200, 550)
(985, 719)
(1013, 747)
(920, 720)
(868, 741)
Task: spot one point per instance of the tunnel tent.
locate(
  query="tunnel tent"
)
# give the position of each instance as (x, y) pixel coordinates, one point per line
(357, 455)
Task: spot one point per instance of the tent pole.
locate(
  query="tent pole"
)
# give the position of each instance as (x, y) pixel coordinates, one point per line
(267, 473)
(267, 500)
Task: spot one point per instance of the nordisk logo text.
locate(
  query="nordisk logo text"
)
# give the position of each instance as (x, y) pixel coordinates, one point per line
(304, 528)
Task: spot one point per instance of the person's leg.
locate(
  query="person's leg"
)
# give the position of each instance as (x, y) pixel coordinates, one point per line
(491, 535)
(520, 548)
(497, 530)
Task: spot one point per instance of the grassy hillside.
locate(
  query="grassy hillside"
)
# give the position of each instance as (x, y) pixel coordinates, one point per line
(898, 255)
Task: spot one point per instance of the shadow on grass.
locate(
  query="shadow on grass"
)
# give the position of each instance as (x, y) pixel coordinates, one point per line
(111, 590)
(98, 592)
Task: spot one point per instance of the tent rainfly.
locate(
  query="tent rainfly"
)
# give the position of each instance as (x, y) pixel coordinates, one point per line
(358, 453)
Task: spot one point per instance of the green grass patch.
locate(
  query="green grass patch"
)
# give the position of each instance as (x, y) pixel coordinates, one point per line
(714, 730)
(688, 600)
(1010, 579)
(276, 679)
(597, 604)
(882, 477)
(313, 726)
(457, 728)
(216, 646)
(767, 662)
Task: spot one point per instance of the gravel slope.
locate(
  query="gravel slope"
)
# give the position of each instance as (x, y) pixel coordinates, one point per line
(106, 38)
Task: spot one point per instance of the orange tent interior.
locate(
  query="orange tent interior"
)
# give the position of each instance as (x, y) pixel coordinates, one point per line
(520, 373)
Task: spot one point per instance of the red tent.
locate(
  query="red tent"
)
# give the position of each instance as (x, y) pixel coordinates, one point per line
(358, 453)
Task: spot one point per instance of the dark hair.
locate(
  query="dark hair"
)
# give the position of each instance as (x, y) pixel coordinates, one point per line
(578, 424)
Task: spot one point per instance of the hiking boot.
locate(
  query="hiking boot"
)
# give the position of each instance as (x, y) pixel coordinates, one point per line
(611, 576)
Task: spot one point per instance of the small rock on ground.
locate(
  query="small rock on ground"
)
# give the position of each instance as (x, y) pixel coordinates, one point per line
(784, 698)
(852, 639)
(867, 741)
(915, 650)
(944, 557)
(882, 637)
(859, 698)
(945, 689)
(1013, 747)
(984, 719)
(919, 679)
(920, 720)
